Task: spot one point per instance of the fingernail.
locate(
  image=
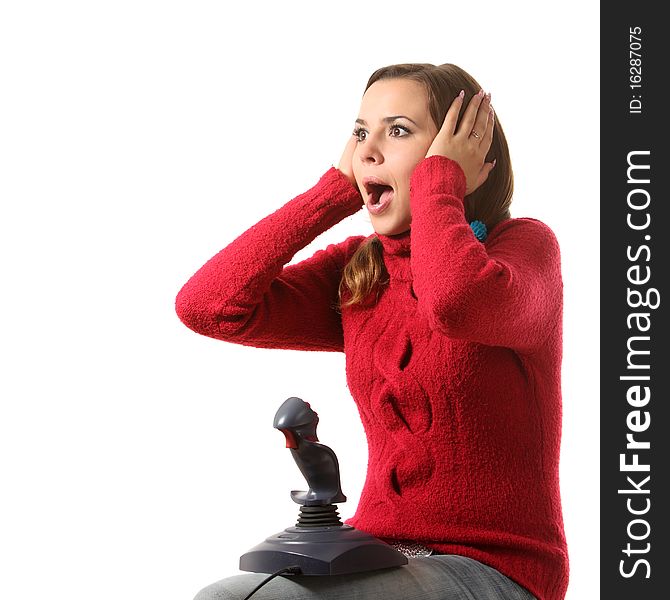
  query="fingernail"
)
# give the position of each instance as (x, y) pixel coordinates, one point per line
(480, 93)
(461, 94)
(494, 162)
(488, 96)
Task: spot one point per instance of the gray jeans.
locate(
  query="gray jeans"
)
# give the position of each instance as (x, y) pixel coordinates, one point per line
(436, 577)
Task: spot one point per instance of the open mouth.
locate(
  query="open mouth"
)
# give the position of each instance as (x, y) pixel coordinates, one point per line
(378, 191)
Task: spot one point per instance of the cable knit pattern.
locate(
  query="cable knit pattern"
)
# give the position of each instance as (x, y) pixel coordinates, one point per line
(455, 370)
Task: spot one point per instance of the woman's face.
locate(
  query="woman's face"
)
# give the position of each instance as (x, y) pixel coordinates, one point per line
(394, 131)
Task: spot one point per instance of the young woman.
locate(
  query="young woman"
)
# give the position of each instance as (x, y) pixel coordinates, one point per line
(450, 317)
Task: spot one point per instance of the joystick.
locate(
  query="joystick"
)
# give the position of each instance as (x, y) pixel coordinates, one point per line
(319, 543)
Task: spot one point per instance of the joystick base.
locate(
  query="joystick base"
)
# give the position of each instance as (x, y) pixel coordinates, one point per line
(331, 550)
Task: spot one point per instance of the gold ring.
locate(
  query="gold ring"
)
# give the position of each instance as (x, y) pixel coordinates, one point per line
(475, 134)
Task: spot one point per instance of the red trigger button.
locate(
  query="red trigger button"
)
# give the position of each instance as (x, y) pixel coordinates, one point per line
(291, 440)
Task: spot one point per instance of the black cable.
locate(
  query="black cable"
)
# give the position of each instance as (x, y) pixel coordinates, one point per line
(292, 570)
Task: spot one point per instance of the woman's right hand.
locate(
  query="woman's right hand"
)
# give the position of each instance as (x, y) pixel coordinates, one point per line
(346, 162)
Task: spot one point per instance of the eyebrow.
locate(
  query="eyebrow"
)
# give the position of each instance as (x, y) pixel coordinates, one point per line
(389, 119)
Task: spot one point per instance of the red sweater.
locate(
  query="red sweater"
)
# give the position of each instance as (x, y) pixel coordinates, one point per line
(455, 370)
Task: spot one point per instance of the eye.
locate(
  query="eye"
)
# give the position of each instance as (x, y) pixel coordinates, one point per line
(400, 128)
(357, 132)
(392, 129)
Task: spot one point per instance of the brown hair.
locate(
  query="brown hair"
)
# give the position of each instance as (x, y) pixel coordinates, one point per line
(489, 203)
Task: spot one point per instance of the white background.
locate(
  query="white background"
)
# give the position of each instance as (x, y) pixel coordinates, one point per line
(138, 138)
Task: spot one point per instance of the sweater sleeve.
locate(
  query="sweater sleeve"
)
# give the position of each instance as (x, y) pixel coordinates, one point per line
(505, 292)
(247, 295)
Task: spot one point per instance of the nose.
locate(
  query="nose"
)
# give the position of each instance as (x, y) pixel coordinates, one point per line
(371, 150)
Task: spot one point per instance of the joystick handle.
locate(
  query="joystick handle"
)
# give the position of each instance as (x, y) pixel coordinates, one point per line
(317, 462)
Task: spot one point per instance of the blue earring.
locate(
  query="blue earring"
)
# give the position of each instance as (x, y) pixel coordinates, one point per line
(479, 229)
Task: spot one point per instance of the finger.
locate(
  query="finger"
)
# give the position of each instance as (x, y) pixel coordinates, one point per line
(348, 153)
(488, 135)
(479, 128)
(468, 121)
(451, 118)
(483, 174)
(351, 148)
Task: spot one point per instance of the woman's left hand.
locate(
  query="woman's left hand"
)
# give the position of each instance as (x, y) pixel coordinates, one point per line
(470, 144)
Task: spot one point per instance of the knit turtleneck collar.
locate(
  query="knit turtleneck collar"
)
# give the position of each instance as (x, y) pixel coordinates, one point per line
(396, 255)
(396, 245)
